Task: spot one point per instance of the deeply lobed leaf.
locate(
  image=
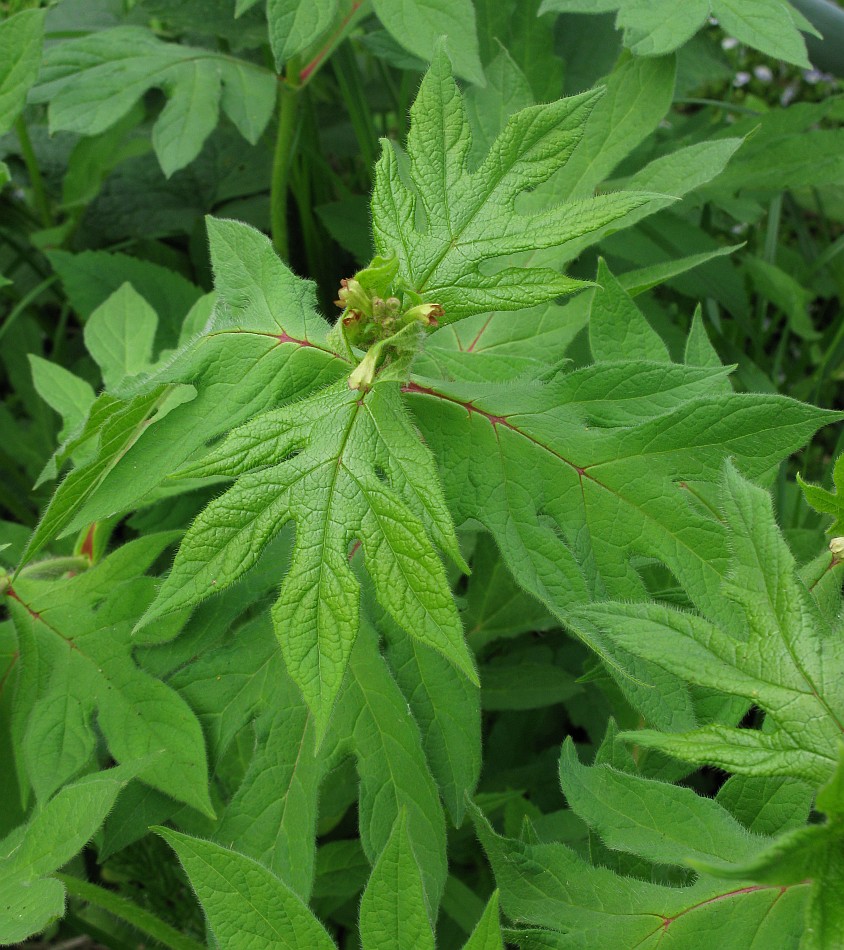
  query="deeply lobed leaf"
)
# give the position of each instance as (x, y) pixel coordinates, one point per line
(90, 83)
(449, 226)
(767, 640)
(345, 467)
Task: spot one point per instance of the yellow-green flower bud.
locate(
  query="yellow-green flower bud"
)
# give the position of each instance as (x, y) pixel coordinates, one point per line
(352, 296)
(363, 375)
(426, 313)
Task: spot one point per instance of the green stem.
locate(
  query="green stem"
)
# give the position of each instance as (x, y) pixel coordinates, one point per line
(358, 10)
(38, 192)
(826, 257)
(288, 101)
(55, 567)
(769, 255)
(833, 355)
(772, 233)
(25, 301)
(348, 79)
(129, 913)
(61, 329)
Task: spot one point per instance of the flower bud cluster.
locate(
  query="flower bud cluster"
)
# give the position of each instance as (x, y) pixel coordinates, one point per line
(369, 318)
(374, 319)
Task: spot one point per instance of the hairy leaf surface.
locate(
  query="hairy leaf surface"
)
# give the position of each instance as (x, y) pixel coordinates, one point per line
(345, 468)
(448, 225)
(265, 342)
(29, 896)
(76, 648)
(568, 901)
(246, 905)
(767, 640)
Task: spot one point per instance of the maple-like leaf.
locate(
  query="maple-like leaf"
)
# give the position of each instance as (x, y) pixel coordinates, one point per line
(76, 645)
(656, 27)
(91, 82)
(828, 502)
(561, 901)
(812, 855)
(264, 343)
(768, 641)
(345, 467)
(472, 218)
(580, 473)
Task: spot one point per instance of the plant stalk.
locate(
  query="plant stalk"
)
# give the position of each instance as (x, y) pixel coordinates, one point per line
(288, 102)
(39, 193)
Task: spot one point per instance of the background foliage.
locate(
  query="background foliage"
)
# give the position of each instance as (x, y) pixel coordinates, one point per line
(510, 548)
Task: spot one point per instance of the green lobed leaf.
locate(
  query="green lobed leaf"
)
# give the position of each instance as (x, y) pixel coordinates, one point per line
(75, 641)
(21, 37)
(549, 887)
(247, 359)
(655, 27)
(826, 502)
(471, 218)
(393, 911)
(418, 24)
(246, 904)
(766, 640)
(91, 82)
(616, 490)
(374, 719)
(808, 855)
(345, 467)
(55, 832)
